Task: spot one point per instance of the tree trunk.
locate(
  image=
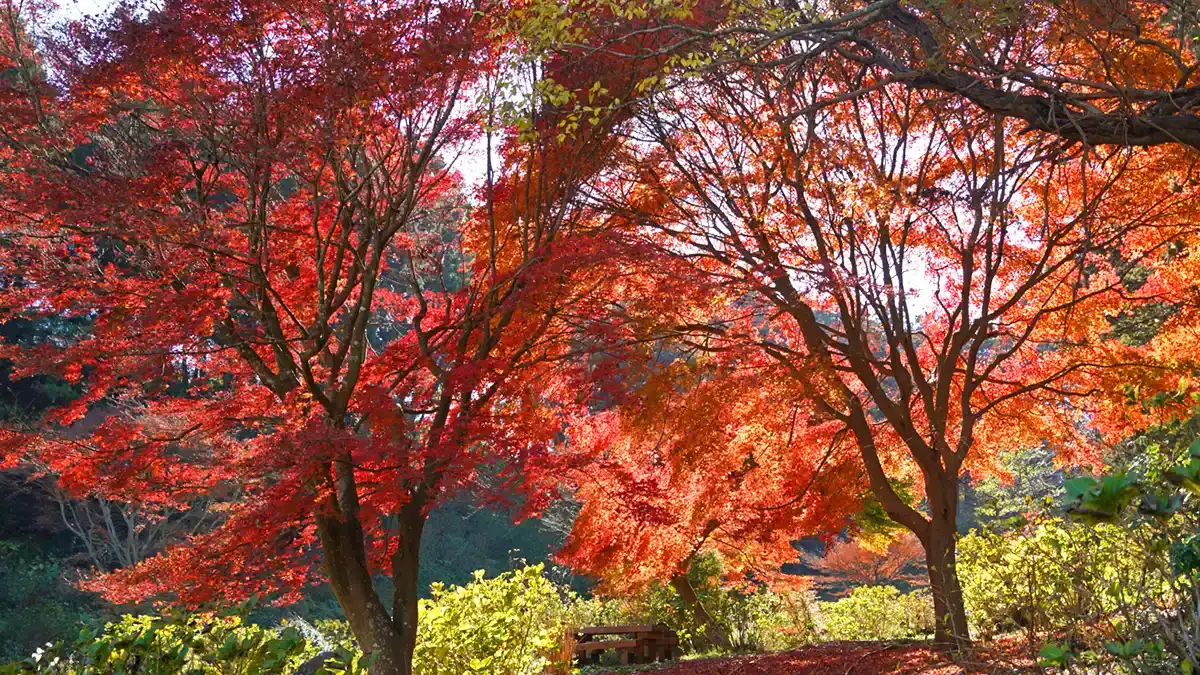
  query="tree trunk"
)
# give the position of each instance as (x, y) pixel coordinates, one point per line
(350, 578)
(406, 564)
(390, 640)
(940, 543)
(714, 633)
(937, 534)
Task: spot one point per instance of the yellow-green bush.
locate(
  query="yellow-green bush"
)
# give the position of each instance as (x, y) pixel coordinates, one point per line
(769, 621)
(200, 644)
(877, 613)
(754, 619)
(1058, 576)
(1096, 595)
(513, 624)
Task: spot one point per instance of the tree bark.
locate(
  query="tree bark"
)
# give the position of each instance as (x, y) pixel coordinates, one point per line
(342, 543)
(406, 563)
(940, 543)
(714, 633)
(391, 640)
(350, 579)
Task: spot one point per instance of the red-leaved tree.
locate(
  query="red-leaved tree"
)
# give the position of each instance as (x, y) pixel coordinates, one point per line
(249, 206)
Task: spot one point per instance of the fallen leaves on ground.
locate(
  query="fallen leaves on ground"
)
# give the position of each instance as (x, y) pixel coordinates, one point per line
(866, 658)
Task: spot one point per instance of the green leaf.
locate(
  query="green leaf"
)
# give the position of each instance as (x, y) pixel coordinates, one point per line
(1078, 487)
(1127, 650)
(1054, 655)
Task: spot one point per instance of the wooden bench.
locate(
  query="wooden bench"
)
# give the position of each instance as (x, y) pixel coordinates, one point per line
(640, 643)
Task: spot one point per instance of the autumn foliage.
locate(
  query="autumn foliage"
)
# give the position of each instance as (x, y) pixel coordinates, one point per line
(287, 292)
(940, 282)
(854, 562)
(725, 268)
(703, 458)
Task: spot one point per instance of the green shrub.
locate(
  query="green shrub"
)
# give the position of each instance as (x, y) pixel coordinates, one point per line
(877, 613)
(755, 620)
(513, 624)
(1118, 583)
(766, 621)
(517, 623)
(1057, 576)
(198, 644)
(36, 605)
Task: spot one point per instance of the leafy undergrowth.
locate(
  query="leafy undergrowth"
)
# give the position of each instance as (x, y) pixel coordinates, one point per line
(857, 658)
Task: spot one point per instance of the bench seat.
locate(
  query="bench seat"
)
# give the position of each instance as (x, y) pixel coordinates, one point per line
(606, 644)
(649, 643)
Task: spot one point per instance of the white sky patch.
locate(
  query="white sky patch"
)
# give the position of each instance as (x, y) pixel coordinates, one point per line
(73, 10)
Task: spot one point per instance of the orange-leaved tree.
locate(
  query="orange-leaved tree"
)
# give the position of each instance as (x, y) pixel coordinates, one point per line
(1098, 72)
(705, 454)
(854, 562)
(941, 282)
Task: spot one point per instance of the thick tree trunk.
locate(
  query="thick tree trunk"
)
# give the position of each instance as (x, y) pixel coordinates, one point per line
(390, 641)
(950, 617)
(406, 563)
(940, 543)
(714, 633)
(350, 579)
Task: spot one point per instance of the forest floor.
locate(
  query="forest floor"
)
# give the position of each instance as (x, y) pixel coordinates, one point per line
(859, 658)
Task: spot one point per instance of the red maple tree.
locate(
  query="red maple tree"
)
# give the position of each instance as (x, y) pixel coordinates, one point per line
(250, 208)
